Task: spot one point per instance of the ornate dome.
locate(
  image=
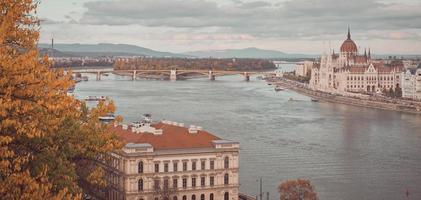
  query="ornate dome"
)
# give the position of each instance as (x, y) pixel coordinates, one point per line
(349, 46)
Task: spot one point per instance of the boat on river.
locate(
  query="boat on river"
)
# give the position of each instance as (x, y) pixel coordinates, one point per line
(95, 98)
(314, 100)
(107, 118)
(279, 88)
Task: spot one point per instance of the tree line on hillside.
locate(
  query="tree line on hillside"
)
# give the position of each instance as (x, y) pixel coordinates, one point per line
(199, 64)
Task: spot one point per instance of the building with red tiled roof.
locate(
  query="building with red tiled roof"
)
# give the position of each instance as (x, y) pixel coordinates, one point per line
(168, 160)
(350, 72)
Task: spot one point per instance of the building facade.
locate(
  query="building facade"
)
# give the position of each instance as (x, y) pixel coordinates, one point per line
(411, 84)
(304, 68)
(350, 72)
(167, 161)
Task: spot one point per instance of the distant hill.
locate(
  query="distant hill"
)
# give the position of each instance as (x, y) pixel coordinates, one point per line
(246, 53)
(107, 49)
(54, 52)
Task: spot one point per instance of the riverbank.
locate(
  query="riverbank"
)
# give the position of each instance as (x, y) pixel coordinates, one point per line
(370, 102)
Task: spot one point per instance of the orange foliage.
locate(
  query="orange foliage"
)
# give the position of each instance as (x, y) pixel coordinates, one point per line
(43, 132)
(299, 189)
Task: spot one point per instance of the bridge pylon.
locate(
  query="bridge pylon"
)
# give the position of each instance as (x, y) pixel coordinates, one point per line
(98, 76)
(246, 76)
(173, 75)
(134, 75)
(211, 75)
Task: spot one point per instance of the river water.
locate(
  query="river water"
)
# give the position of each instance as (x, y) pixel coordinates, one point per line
(347, 152)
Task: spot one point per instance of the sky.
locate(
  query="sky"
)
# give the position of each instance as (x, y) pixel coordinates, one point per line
(292, 26)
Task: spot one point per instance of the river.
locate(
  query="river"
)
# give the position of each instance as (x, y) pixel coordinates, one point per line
(347, 152)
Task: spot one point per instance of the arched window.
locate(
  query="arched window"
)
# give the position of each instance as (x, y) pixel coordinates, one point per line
(226, 196)
(211, 196)
(202, 197)
(184, 197)
(175, 198)
(226, 162)
(226, 179)
(140, 167)
(193, 197)
(140, 185)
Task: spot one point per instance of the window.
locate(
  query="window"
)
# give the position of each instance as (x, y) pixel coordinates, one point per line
(226, 162)
(193, 165)
(203, 165)
(156, 184)
(193, 197)
(211, 180)
(166, 183)
(175, 166)
(175, 183)
(174, 198)
(226, 196)
(212, 164)
(156, 167)
(202, 181)
(226, 179)
(184, 197)
(165, 167)
(184, 166)
(156, 198)
(211, 196)
(202, 197)
(193, 182)
(140, 167)
(140, 185)
(184, 182)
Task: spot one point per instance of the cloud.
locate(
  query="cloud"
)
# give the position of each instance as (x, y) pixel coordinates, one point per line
(202, 24)
(296, 19)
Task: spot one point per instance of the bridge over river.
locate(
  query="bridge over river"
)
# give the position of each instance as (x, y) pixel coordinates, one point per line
(173, 74)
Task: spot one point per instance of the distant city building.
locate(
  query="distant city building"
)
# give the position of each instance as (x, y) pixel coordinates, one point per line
(304, 68)
(411, 84)
(349, 72)
(167, 160)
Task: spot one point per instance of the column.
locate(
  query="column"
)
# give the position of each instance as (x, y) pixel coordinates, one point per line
(173, 75)
(246, 76)
(134, 75)
(211, 75)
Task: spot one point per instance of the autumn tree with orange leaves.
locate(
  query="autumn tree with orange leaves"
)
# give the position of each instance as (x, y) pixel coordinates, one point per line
(48, 140)
(299, 189)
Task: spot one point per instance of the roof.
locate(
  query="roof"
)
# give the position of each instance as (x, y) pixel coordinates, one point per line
(172, 137)
(349, 45)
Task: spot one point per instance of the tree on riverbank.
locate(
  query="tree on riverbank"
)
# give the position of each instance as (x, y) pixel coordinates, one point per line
(299, 189)
(46, 137)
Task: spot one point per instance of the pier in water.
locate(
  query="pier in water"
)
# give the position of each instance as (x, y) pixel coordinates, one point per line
(347, 152)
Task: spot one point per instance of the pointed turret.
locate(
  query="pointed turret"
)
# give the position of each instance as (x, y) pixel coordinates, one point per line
(369, 53)
(349, 33)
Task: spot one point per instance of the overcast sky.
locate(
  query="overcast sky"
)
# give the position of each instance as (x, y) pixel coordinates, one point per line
(294, 26)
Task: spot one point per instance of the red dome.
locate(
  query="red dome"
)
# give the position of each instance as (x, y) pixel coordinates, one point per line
(349, 46)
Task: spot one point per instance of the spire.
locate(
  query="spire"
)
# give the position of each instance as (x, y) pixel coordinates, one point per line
(349, 33)
(365, 52)
(369, 53)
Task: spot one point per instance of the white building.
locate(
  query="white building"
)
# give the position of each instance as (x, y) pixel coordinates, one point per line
(167, 161)
(349, 71)
(411, 84)
(304, 68)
